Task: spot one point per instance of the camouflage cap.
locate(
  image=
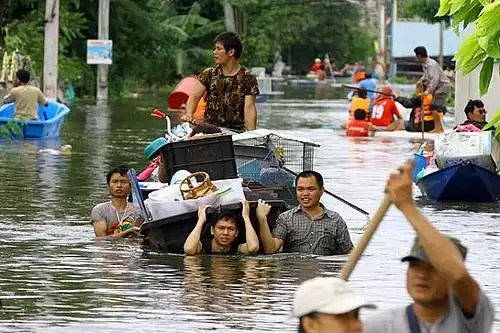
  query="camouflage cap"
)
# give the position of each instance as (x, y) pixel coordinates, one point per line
(417, 251)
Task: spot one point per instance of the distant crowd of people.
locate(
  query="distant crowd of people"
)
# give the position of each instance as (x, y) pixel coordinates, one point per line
(325, 68)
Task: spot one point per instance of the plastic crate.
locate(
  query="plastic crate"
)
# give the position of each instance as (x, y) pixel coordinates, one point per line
(213, 155)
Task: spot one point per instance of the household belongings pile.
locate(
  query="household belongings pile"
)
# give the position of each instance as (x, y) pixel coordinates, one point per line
(479, 148)
(193, 191)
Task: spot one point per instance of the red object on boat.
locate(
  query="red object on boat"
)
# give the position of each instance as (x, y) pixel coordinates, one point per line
(158, 114)
(146, 173)
(181, 92)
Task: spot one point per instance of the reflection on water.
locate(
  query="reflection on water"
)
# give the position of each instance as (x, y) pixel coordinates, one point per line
(55, 277)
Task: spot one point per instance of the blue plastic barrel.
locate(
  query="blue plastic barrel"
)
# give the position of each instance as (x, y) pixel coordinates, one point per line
(420, 163)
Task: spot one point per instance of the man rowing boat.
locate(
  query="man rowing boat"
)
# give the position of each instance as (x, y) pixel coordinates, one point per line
(446, 298)
(231, 88)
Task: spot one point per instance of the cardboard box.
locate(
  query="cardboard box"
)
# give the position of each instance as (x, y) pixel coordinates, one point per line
(476, 147)
(495, 153)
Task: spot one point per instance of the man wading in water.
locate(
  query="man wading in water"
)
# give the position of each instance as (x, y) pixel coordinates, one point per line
(117, 217)
(308, 228)
(231, 88)
(224, 232)
(446, 298)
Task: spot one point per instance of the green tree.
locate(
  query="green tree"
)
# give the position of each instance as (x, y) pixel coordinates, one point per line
(305, 28)
(424, 9)
(481, 46)
(26, 35)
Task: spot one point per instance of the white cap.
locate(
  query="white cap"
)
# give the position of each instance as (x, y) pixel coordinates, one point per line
(326, 295)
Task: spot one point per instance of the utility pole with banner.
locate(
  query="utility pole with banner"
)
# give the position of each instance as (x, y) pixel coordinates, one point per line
(99, 52)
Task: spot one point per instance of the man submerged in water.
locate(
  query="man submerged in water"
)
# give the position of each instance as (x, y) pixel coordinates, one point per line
(224, 233)
(117, 217)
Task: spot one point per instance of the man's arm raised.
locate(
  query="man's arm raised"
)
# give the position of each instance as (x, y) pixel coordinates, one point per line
(192, 245)
(271, 245)
(443, 254)
(252, 241)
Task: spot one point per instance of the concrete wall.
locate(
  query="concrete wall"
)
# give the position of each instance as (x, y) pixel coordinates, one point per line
(467, 87)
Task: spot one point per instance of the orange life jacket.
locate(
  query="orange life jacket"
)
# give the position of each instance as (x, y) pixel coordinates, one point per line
(426, 106)
(360, 103)
(199, 113)
(358, 76)
(358, 128)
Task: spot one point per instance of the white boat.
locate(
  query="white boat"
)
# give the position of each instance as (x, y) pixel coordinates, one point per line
(408, 135)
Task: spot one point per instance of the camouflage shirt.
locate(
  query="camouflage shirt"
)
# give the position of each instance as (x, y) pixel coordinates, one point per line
(226, 96)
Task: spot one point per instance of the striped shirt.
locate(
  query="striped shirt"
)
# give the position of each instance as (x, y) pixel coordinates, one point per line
(324, 235)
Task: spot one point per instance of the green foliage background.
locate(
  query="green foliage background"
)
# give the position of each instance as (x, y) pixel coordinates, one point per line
(156, 42)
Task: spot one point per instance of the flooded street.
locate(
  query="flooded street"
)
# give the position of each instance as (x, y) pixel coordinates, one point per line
(55, 277)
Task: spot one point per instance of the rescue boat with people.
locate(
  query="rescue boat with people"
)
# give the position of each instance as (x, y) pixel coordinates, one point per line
(49, 126)
(462, 167)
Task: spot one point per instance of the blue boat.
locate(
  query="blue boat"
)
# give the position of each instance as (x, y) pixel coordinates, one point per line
(464, 181)
(49, 125)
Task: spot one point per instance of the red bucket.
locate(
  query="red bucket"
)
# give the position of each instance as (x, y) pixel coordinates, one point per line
(181, 92)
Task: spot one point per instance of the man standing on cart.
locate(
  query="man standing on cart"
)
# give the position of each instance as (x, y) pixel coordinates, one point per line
(231, 88)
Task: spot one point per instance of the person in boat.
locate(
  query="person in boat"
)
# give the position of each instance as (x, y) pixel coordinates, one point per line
(369, 83)
(25, 97)
(117, 217)
(438, 84)
(377, 70)
(446, 298)
(321, 73)
(328, 304)
(230, 87)
(421, 110)
(359, 126)
(328, 66)
(224, 232)
(316, 65)
(476, 117)
(309, 227)
(358, 73)
(385, 113)
(360, 101)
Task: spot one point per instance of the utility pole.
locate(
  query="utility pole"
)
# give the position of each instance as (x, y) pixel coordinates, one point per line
(382, 29)
(394, 18)
(102, 70)
(51, 49)
(441, 43)
(229, 16)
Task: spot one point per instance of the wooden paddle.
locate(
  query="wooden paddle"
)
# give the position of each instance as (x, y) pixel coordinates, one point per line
(368, 90)
(353, 206)
(365, 239)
